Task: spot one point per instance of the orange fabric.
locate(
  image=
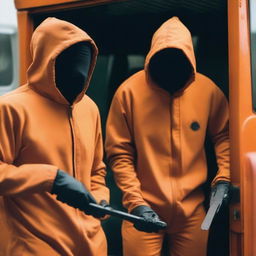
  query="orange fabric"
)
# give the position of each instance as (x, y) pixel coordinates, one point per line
(36, 130)
(157, 158)
(184, 238)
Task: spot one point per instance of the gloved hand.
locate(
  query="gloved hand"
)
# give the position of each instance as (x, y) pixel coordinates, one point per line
(221, 185)
(149, 215)
(73, 192)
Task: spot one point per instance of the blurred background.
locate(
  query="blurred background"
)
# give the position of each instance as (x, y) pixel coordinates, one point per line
(8, 46)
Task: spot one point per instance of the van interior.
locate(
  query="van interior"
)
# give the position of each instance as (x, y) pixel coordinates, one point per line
(122, 31)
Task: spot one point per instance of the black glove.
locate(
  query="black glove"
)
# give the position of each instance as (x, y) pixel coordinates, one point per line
(149, 215)
(225, 186)
(73, 192)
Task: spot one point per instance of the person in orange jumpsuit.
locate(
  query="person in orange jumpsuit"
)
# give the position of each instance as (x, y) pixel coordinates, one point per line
(51, 150)
(155, 136)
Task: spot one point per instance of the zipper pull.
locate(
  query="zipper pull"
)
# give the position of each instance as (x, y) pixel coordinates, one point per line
(70, 110)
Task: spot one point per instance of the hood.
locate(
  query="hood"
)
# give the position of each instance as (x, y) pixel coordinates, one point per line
(172, 34)
(49, 39)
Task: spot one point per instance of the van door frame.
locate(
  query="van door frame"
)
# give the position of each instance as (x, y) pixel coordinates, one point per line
(242, 129)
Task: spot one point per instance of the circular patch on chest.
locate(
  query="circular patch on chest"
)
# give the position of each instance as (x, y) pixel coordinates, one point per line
(195, 126)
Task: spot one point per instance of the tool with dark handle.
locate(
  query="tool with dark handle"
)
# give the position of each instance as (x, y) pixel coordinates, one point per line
(127, 216)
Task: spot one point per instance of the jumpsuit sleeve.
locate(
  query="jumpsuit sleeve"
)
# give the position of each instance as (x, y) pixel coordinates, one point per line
(98, 174)
(218, 127)
(121, 155)
(26, 178)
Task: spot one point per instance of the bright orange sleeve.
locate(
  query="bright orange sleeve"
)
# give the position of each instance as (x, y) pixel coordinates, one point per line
(15, 180)
(98, 174)
(219, 131)
(121, 154)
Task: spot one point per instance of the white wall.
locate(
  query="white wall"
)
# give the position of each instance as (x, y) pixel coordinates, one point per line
(8, 12)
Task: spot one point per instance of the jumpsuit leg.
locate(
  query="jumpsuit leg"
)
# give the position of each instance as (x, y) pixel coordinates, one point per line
(189, 239)
(137, 243)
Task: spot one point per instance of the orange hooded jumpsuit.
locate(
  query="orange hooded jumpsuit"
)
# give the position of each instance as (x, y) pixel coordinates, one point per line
(40, 133)
(158, 157)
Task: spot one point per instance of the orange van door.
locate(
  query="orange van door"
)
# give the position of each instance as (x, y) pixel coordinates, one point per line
(242, 86)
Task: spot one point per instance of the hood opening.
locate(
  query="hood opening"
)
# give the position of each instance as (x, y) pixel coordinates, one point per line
(71, 70)
(170, 69)
(51, 38)
(171, 63)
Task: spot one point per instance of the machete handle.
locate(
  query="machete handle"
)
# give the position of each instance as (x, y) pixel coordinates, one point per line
(127, 216)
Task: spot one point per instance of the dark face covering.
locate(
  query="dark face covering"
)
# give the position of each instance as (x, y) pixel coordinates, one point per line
(71, 70)
(170, 69)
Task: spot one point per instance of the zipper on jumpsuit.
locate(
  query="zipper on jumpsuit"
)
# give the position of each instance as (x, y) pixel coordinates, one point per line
(172, 181)
(70, 119)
